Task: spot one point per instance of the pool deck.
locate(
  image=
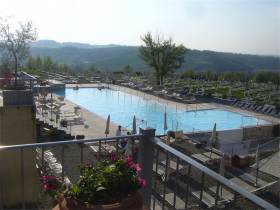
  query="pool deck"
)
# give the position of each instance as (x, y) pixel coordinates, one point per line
(96, 124)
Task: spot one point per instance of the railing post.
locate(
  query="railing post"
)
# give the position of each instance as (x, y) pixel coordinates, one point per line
(146, 155)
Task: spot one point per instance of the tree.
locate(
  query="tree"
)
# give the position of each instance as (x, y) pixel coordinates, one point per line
(188, 74)
(162, 55)
(49, 65)
(14, 44)
(5, 74)
(91, 70)
(127, 69)
(63, 68)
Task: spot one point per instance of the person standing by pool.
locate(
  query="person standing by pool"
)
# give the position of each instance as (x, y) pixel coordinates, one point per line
(128, 145)
(118, 133)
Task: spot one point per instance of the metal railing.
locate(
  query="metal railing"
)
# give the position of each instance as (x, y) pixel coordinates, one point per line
(180, 182)
(187, 183)
(174, 180)
(56, 157)
(8, 83)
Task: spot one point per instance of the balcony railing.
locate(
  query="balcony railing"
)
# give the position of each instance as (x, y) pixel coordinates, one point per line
(174, 180)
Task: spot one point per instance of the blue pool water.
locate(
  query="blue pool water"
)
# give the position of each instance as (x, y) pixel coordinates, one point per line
(123, 106)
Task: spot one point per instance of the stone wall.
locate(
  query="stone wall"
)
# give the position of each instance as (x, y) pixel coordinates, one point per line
(17, 98)
(18, 126)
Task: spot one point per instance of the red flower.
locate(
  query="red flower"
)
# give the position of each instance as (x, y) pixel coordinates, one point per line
(52, 186)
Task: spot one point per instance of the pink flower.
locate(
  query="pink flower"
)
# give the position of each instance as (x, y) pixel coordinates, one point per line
(46, 178)
(137, 167)
(88, 162)
(129, 161)
(51, 177)
(142, 182)
(114, 157)
(45, 186)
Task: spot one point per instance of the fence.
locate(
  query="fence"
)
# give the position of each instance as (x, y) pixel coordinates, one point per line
(174, 180)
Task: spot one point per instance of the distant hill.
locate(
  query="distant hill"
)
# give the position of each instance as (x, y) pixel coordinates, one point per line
(53, 44)
(115, 57)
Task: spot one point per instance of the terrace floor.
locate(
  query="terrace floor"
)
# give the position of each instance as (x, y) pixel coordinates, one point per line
(271, 164)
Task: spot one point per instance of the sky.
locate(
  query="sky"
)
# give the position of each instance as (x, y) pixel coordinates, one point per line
(240, 26)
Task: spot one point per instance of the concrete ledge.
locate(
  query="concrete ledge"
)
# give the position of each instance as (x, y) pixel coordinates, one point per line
(17, 98)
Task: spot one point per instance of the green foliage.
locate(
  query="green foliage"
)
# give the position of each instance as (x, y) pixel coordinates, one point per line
(116, 57)
(127, 69)
(188, 74)
(162, 55)
(239, 94)
(223, 92)
(209, 92)
(91, 70)
(108, 182)
(38, 64)
(14, 42)
(265, 77)
(245, 77)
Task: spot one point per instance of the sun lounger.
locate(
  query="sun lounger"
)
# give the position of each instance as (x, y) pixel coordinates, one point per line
(258, 108)
(146, 89)
(254, 107)
(179, 134)
(249, 106)
(189, 100)
(264, 108)
(240, 104)
(268, 110)
(179, 98)
(273, 112)
(245, 106)
(67, 115)
(234, 102)
(74, 120)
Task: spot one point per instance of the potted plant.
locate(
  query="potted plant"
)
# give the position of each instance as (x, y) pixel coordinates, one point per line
(53, 187)
(112, 184)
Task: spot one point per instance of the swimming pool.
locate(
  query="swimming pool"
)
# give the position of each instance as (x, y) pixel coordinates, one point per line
(123, 106)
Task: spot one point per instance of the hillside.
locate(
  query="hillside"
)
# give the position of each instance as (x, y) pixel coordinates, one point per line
(114, 57)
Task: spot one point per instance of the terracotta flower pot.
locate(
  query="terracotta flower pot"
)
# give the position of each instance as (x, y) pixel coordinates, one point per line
(133, 201)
